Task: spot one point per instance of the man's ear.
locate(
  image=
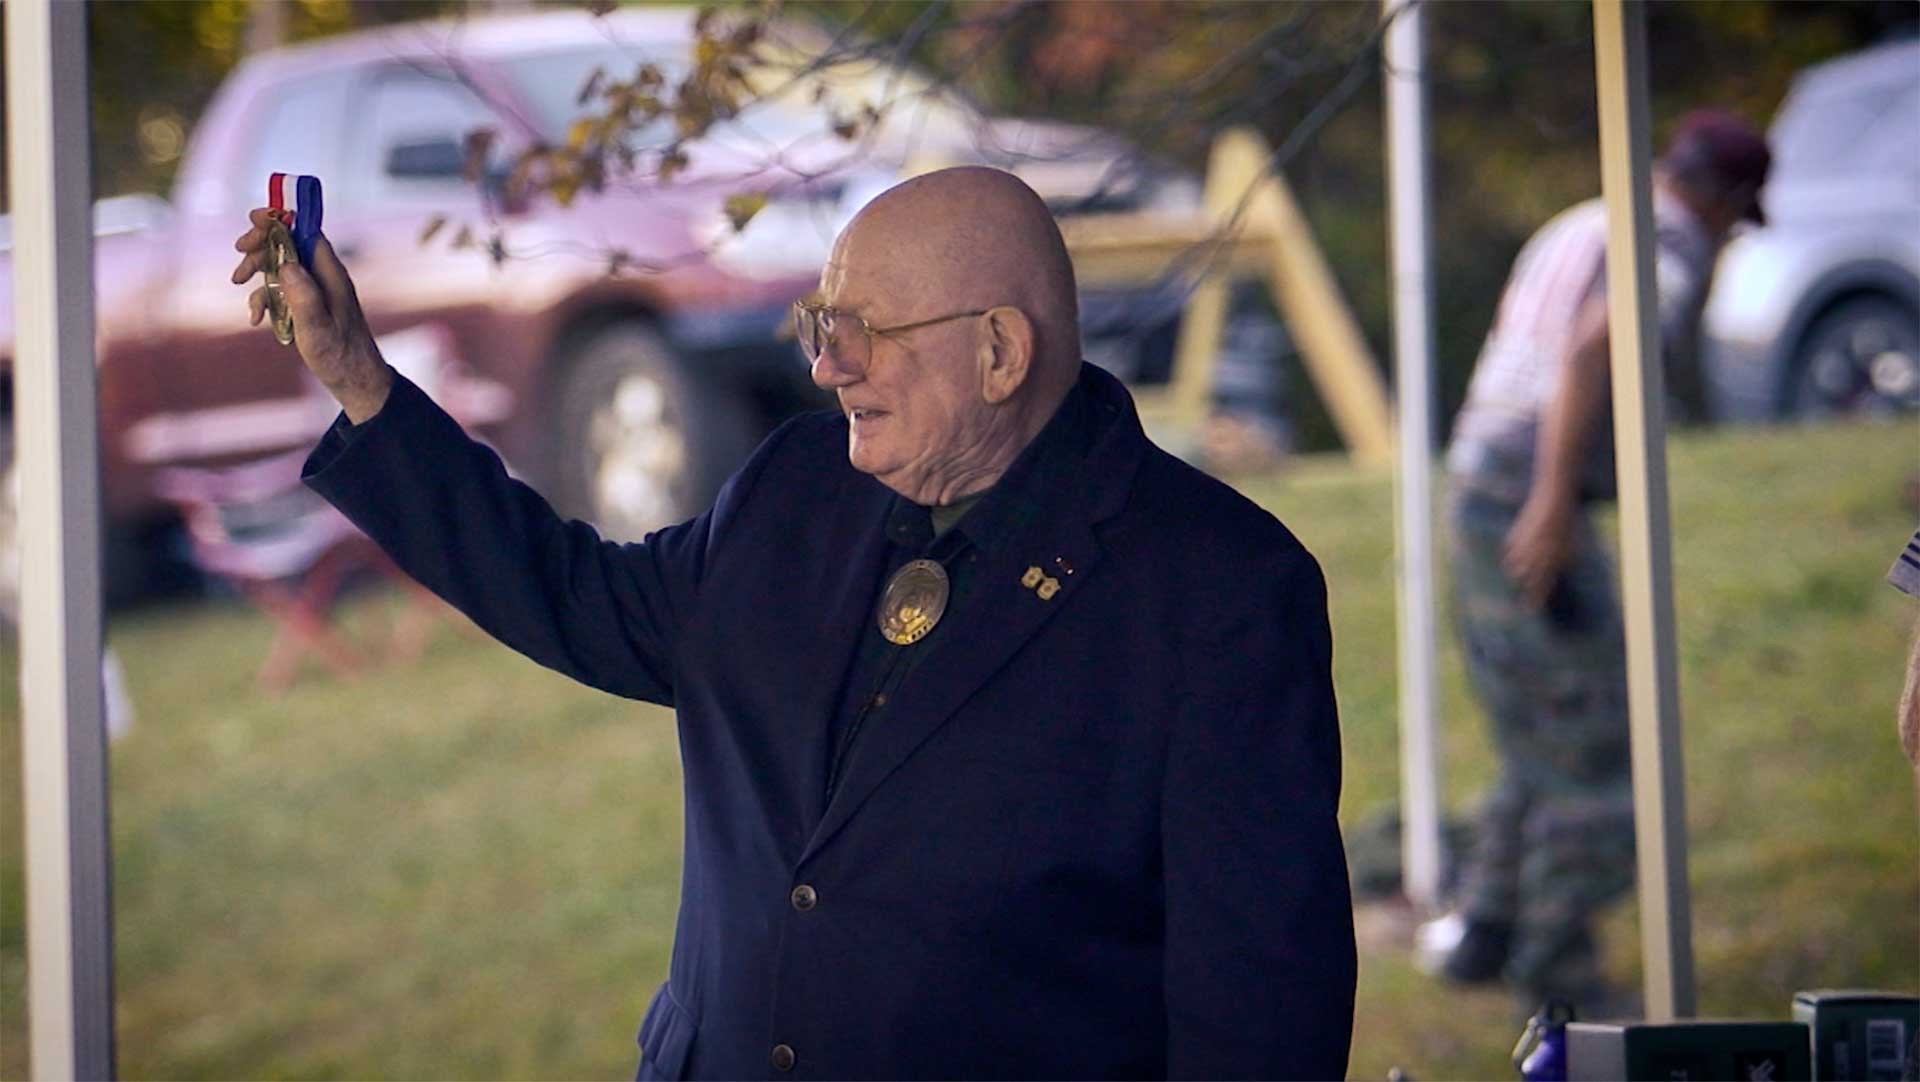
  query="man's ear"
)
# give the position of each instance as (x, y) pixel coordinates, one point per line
(1005, 352)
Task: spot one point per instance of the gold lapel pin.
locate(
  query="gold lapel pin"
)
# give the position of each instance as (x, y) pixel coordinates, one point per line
(1041, 583)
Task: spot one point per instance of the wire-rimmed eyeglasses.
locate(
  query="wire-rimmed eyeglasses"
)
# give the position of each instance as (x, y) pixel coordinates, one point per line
(823, 328)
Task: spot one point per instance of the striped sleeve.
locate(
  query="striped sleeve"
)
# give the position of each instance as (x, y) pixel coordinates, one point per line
(1905, 574)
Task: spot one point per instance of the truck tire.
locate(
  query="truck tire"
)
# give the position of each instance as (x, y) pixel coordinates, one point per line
(1862, 355)
(643, 441)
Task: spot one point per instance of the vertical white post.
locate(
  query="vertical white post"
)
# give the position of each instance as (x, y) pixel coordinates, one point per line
(1421, 853)
(1646, 559)
(63, 738)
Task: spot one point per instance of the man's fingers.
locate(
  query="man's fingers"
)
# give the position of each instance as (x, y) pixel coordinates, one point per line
(303, 294)
(1523, 566)
(1512, 553)
(331, 272)
(305, 300)
(248, 267)
(1536, 580)
(1525, 581)
(257, 235)
(1534, 590)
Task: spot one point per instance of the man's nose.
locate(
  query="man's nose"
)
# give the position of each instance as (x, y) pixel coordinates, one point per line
(831, 373)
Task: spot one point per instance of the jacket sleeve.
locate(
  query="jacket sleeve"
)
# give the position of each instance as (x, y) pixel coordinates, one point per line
(1260, 963)
(443, 507)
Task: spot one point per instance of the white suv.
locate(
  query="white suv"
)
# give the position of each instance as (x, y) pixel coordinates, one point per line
(1818, 313)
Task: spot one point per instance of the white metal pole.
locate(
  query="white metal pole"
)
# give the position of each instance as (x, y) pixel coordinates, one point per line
(63, 738)
(1646, 559)
(1421, 853)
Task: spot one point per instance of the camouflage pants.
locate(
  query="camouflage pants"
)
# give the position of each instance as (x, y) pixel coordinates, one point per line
(1555, 838)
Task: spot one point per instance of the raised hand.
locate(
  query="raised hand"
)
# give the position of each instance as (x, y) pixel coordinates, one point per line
(330, 331)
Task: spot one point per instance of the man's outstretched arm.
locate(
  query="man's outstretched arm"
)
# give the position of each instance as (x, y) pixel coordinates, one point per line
(443, 506)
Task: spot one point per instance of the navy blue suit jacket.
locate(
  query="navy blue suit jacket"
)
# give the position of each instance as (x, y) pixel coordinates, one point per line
(1095, 837)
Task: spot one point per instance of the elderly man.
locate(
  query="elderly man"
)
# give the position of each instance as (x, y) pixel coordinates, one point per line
(1009, 740)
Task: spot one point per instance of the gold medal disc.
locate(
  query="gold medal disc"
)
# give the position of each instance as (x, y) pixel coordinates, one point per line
(914, 601)
(279, 252)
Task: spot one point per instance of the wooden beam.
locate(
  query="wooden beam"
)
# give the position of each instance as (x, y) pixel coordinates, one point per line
(1271, 239)
(1308, 296)
(1646, 558)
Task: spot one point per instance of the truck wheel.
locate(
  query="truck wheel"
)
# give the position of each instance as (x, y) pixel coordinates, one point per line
(644, 442)
(1861, 356)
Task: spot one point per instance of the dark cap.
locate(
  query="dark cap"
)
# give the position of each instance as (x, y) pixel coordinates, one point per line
(1720, 150)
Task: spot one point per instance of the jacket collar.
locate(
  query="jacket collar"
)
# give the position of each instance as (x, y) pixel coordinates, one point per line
(1036, 570)
(1119, 444)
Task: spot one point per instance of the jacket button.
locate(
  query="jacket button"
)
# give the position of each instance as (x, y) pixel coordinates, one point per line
(782, 1057)
(803, 898)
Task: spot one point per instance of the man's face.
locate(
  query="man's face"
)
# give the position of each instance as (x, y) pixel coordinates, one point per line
(917, 413)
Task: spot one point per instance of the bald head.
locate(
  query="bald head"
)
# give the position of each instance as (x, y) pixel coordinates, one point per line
(956, 331)
(975, 238)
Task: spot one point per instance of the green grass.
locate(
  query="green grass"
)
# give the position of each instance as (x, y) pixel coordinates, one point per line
(468, 867)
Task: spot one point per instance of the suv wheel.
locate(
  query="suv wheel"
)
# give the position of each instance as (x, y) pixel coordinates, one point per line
(1861, 356)
(645, 443)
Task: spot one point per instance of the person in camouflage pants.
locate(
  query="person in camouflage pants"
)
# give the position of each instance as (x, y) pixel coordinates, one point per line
(1554, 842)
(1531, 452)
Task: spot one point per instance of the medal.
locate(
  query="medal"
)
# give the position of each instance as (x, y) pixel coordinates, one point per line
(290, 236)
(279, 252)
(913, 602)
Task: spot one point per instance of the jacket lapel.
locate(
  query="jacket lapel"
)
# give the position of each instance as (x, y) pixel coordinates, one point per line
(999, 619)
(1003, 615)
(818, 660)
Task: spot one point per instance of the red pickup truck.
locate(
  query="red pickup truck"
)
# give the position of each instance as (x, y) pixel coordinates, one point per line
(627, 398)
(591, 384)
